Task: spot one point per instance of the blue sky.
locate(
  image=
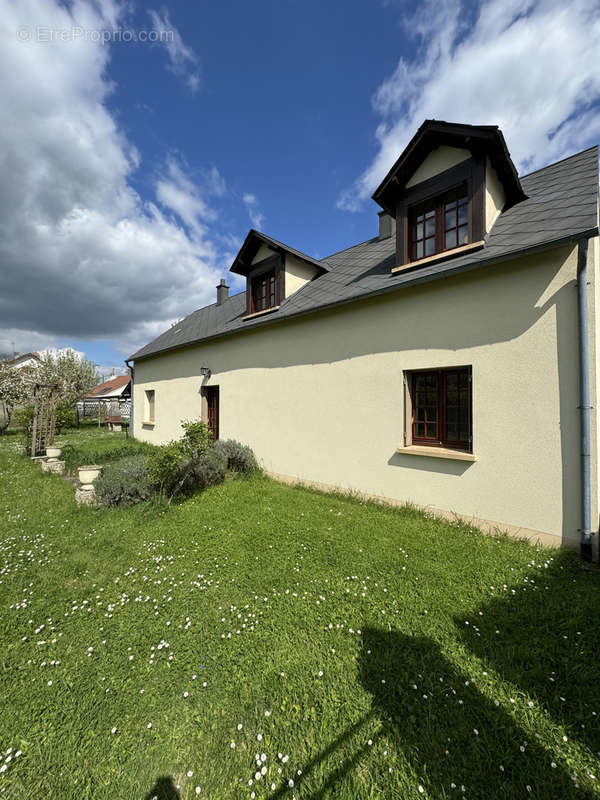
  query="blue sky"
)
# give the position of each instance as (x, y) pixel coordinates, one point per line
(132, 171)
(284, 109)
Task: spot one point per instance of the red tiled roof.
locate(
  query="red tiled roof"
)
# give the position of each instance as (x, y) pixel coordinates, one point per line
(109, 386)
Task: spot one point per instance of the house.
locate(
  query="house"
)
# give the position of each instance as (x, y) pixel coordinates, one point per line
(18, 361)
(449, 361)
(113, 396)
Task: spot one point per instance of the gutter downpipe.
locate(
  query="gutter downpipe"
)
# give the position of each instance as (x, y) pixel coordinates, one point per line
(130, 428)
(584, 402)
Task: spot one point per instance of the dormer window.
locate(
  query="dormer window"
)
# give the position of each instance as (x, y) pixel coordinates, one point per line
(273, 272)
(439, 224)
(446, 191)
(264, 292)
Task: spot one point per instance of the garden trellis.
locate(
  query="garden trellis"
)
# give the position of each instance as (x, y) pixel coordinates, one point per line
(45, 398)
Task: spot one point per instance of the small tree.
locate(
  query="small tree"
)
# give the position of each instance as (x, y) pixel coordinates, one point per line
(74, 375)
(16, 386)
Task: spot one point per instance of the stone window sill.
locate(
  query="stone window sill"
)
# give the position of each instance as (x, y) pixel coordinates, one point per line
(261, 313)
(148, 424)
(457, 251)
(436, 452)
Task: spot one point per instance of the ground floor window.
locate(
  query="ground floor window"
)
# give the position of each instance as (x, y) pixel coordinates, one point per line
(149, 406)
(439, 404)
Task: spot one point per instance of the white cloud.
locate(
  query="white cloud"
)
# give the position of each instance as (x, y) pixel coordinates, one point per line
(82, 254)
(109, 369)
(176, 191)
(256, 216)
(183, 59)
(529, 66)
(15, 340)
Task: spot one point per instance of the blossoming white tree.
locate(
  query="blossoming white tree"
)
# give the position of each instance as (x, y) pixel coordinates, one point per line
(73, 374)
(16, 386)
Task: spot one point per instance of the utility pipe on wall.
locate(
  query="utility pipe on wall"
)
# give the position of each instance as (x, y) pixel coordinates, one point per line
(584, 402)
(130, 428)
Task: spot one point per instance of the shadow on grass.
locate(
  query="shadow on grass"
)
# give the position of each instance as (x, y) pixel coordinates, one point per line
(163, 789)
(448, 731)
(544, 640)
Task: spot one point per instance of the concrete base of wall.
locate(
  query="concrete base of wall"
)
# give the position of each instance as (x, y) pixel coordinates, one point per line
(485, 525)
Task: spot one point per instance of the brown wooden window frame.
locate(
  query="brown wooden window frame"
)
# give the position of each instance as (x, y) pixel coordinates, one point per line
(211, 400)
(271, 270)
(436, 425)
(470, 175)
(430, 223)
(264, 292)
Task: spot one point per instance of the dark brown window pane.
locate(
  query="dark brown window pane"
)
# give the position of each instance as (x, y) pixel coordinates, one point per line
(463, 424)
(440, 224)
(442, 408)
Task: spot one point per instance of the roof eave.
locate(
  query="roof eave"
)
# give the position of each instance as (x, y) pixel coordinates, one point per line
(490, 139)
(242, 265)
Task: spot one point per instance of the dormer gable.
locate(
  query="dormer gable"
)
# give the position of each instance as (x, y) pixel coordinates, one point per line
(273, 272)
(447, 189)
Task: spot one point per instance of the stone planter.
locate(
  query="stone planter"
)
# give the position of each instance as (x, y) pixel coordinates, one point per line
(53, 453)
(88, 474)
(53, 465)
(85, 495)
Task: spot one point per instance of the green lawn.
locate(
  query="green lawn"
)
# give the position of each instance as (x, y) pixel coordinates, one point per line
(355, 650)
(90, 445)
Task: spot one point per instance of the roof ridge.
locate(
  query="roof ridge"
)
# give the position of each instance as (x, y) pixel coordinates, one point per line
(560, 161)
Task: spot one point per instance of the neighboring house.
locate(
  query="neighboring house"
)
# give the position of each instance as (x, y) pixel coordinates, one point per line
(114, 396)
(450, 361)
(26, 360)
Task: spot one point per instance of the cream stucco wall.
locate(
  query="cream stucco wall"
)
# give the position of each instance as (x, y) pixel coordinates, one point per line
(495, 196)
(437, 161)
(264, 251)
(321, 398)
(297, 274)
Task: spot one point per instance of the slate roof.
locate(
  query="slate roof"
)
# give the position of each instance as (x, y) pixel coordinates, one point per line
(562, 206)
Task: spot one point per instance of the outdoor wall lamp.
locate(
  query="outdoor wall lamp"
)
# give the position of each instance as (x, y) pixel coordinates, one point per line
(205, 372)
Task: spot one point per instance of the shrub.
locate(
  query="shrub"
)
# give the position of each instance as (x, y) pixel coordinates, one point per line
(196, 436)
(175, 468)
(165, 467)
(123, 483)
(65, 417)
(240, 457)
(23, 416)
(208, 469)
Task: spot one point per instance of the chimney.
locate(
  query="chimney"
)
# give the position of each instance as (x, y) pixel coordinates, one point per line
(387, 225)
(222, 292)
